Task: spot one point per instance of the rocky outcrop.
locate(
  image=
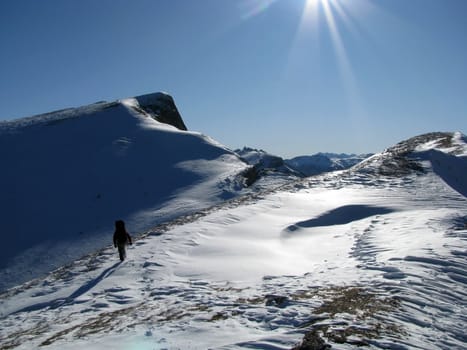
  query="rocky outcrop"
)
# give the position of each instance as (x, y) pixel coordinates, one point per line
(161, 107)
(312, 341)
(264, 165)
(406, 157)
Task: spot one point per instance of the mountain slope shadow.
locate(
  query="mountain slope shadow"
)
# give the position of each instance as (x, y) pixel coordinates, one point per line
(55, 303)
(340, 216)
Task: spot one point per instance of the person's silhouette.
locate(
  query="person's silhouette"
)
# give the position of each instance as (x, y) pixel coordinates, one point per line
(121, 238)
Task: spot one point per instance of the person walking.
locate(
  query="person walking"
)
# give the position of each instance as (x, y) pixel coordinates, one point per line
(121, 238)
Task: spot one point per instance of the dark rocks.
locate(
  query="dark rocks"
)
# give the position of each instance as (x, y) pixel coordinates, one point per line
(276, 300)
(162, 108)
(312, 341)
(406, 157)
(264, 165)
(251, 175)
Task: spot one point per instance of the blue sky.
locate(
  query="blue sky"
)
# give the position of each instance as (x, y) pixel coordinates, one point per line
(292, 77)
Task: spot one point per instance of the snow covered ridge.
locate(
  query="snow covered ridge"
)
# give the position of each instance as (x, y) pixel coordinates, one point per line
(445, 153)
(67, 175)
(406, 156)
(159, 106)
(343, 260)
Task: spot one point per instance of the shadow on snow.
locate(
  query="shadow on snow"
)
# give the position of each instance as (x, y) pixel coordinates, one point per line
(53, 304)
(340, 216)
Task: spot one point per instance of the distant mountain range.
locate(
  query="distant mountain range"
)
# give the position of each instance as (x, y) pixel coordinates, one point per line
(323, 162)
(301, 166)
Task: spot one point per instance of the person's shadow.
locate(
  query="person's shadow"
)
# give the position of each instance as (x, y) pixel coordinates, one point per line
(55, 303)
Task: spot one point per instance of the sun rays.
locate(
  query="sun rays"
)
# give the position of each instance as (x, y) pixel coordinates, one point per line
(253, 8)
(330, 8)
(328, 13)
(321, 21)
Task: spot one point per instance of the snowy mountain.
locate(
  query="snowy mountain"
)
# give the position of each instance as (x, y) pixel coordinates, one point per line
(299, 166)
(68, 175)
(266, 170)
(324, 162)
(369, 257)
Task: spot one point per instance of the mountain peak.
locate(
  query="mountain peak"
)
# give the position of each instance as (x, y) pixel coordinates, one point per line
(406, 156)
(68, 174)
(448, 142)
(161, 107)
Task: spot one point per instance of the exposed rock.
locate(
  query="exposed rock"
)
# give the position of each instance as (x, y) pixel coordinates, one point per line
(264, 164)
(276, 300)
(404, 158)
(162, 108)
(251, 175)
(312, 341)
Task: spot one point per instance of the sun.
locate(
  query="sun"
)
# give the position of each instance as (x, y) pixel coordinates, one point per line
(313, 3)
(314, 8)
(326, 18)
(332, 14)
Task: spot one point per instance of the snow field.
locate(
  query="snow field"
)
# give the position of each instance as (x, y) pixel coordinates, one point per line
(251, 276)
(360, 258)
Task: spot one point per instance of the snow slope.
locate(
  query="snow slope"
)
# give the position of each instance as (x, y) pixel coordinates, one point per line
(350, 258)
(66, 176)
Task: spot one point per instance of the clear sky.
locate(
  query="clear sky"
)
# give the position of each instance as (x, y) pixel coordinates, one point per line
(292, 77)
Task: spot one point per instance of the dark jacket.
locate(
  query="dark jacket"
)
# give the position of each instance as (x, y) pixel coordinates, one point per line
(121, 237)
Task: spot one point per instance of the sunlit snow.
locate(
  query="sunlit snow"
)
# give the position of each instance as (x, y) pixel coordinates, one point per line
(255, 270)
